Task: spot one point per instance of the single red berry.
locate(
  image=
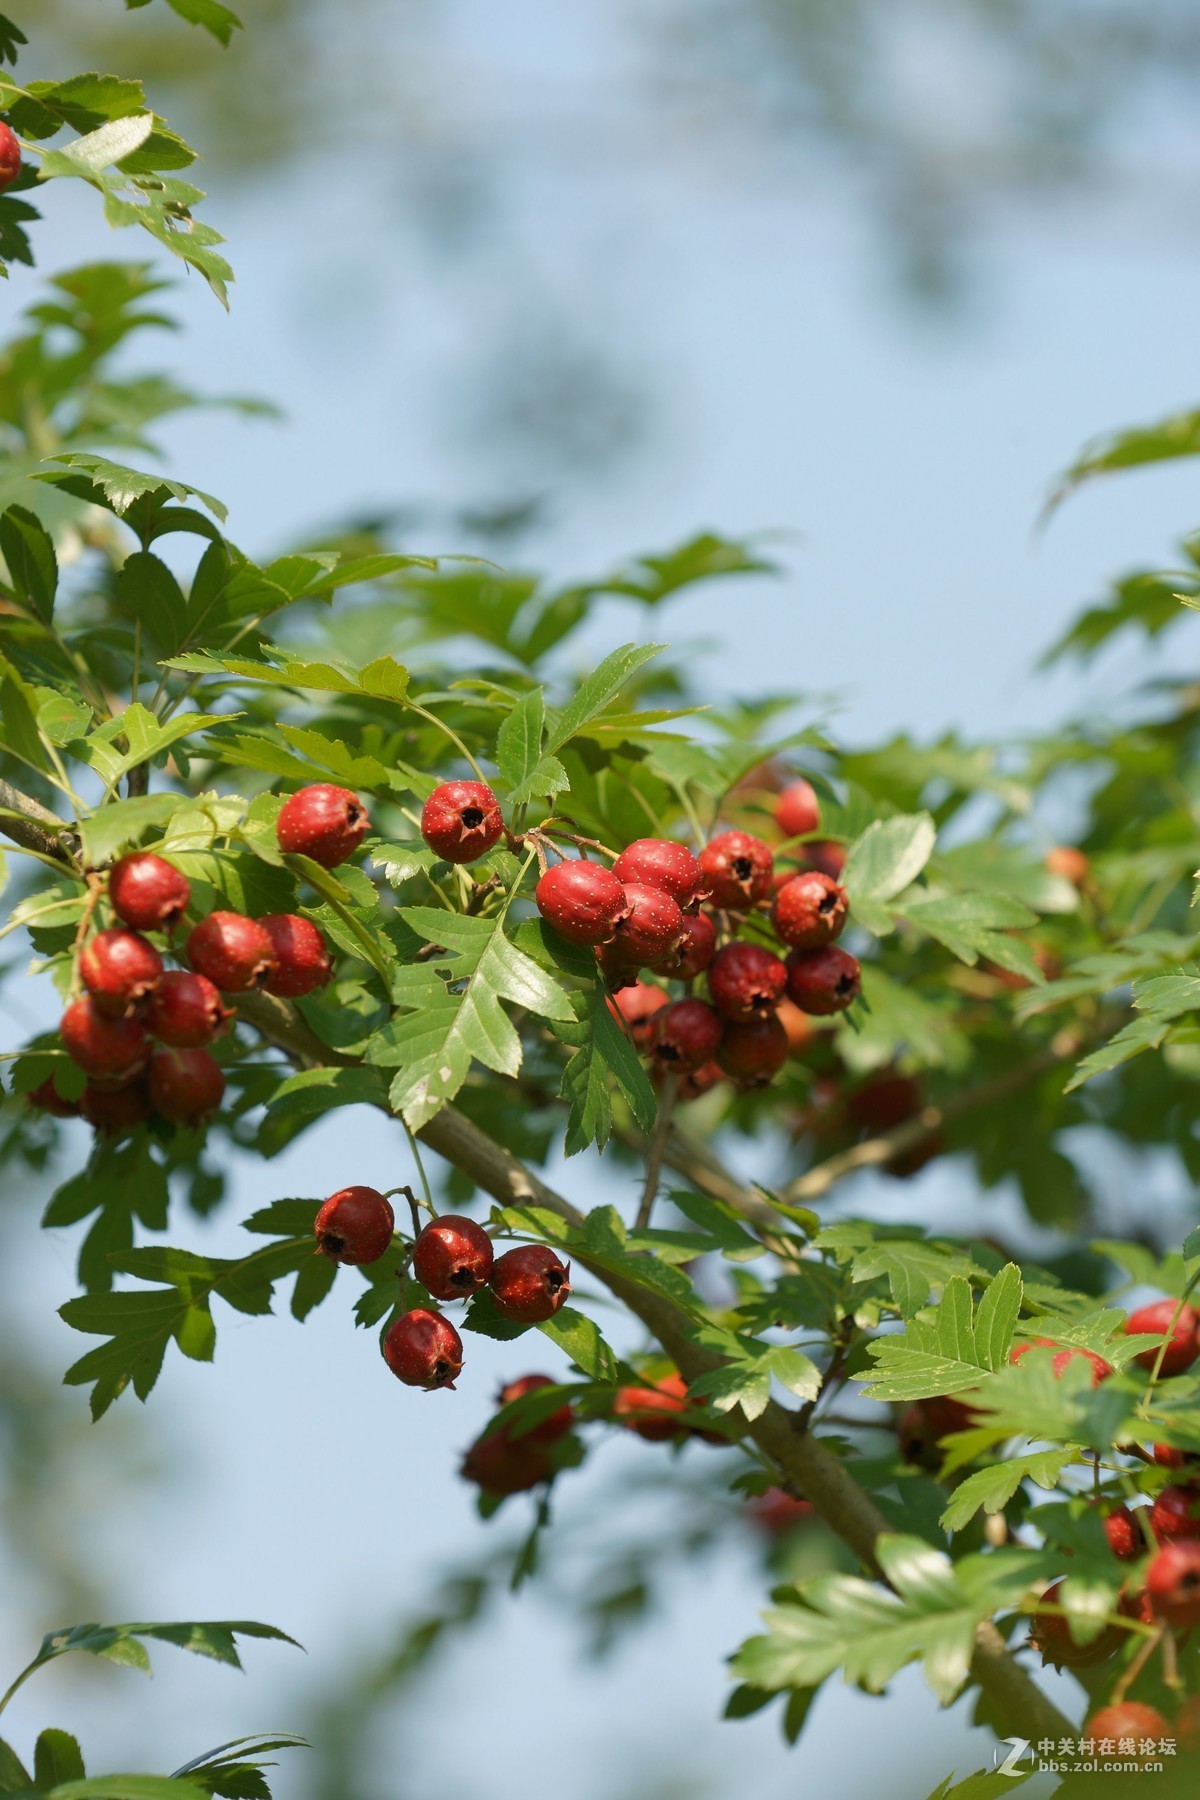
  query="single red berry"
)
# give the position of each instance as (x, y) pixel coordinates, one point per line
(1067, 861)
(751, 1055)
(302, 959)
(115, 1111)
(800, 1031)
(652, 1412)
(826, 856)
(10, 156)
(45, 1097)
(500, 1466)
(661, 863)
(422, 1349)
(1173, 1583)
(186, 1086)
(547, 1430)
(636, 1007)
(1134, 1603)
(823, 981)
(1168, 1457)
(461, 820)
(529, 1283)
(1176, 1514)
(1051, 1635)
(453, 1257)
(696, 950)
(582, 901)
(148, 893)
(1130, 1719)
(652, 927)
(922, 1426)
(738, 870)
(234, 952)
(685, 1035)
(120, 970)
(355, 1225)
(1124, 1539)
(186, 1011)
(101, 1045)
(797, 811)
(1062, 1358)
(884, 1101)
(777, 1513)
(323, 822)
(697, 1082)
(1182, 1348)
(746, 982)
(1187, 1723)
(809, 910)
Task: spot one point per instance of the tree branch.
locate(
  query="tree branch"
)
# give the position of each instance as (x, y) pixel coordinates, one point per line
(27, 822)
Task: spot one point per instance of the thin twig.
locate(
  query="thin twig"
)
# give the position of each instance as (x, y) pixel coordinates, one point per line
(658, 1150)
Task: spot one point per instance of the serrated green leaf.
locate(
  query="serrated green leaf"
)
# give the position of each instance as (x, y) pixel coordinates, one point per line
(888, 857)
(594, 694)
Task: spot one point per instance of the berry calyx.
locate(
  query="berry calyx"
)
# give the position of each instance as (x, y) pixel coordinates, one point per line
(797, 810)
(302, 959)
(115, 1111)
(101, 1045)
(499, 1465)
(530, 1283)
(120, 970)
(186, 1011)
(323, 822)
(661, 863)
(1124, 1539)
(461, 820)
(809, 910)
(1063, 1358)
(186, 1086)
(695, 951)
(652, 1412)
(547, 1430)
(1050, 1633)
(746, 982)
(685, 1035)
(10, 157)
(738, 870)
(355, 1225)
(422, 1349)
(1173, 1583)
(582, 901)
(1129, 1719)
(823, 981)
(751, 1055)
(636, 1006)
(453, 1257)
(1176, 1514)
(234, 952)
(147, 892)
(652, 926)
(1183, 1347)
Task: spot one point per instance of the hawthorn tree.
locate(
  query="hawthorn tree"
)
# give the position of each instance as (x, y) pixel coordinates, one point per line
(270, 875)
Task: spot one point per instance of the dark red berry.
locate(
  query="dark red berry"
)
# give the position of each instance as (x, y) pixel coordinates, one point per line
(922, 1426)
(738, 870)
(146, 892)
(461, 820)
(547, 1430)
(775, 1512)
(453, 1257)
(1124, 1539)
(823, 981)
(234, 952)
(101, 1045)
(636, 1006)
(529, 1283)
(828, 857)
(582, 901)
(746, 982)
(1173, 1583)
(1130, 1719)
(1176, 1514)
(652, 1412)
(120, 970)
(685, 1035)
(302, 959)
(499, 1465)
(422, 1349)
(10, 156)
(1063, 1358)
(1182, 1348)
(696, 950)
(797, 811)
(884, 1101)
(186, 1011)
(45, 1097)
(323, 822)
(809, 910)
(1168, 1457)
(355, 1225)
(661, 863)
(752, 1054)
(1051, 1635)
(652, 926)
(186, 1086)
(114, 1111)
(697, 1082)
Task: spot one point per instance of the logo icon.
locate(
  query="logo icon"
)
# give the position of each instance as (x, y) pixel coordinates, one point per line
(1009, 1765)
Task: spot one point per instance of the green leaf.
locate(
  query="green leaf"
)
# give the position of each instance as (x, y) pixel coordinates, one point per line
(1139, 1035)
(28, 550)
(519, 758)
(605, 1056)
(913, 1265)
(888, 857)
(19, 715)
(996, 1320)
(1166, 441)
(950, 1348)
(579, 1338)
(121, 489)
(971, 925)
(147, 588)
(594, 694)
(57, 1757)
(992, 1488)
(211, 14)
(14, 1776)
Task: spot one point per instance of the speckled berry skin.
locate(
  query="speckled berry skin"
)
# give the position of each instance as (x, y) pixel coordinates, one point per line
(186, 1086)
(461, 820)
(652, 927)
(548, 1430)
(186, 1011)
(1100, 1369)
(323, 822)
(422, 1349)
(582, 901)
(737, 869)
(10, 157)
(302, 959)
(797, 810)
(1124, 1538)
(355, 1225)
(120, 970)
(115, 1049)
(696, 950)
(752, 1055)
(636, 1006)
(45, 1097)
(746, 982)
(661, 863)
(530, 1283)
(1130, 1719)
(499, 1466)
(147, 892)
(809, 910)
(1173, 1583)
(1176, 1514)
(234, 952)
(652, 1412)
(1182, 1347)
(684, 1036)
(1050, 1634)
(453, 1257)
(114, 1112)
(823, 981)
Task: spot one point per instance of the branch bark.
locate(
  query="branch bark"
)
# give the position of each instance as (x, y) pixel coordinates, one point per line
(27, 822)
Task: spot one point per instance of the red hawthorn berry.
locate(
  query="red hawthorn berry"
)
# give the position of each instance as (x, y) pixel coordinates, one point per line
(884, 1101)
(461, 820)
(1176, 1514)
(800, 1030)
(652, 927)
(636, 1006)
(45, 1097)
(186, 1011)
(652, 1412)
(1067, 861)
(186, 1086)
(1134, 1603)
(120, 970)
(232, 951)
(738, 870)
(661, 863)
(103, 1046)
(823, 981)
(1050, 1634)
(697, 1082)
(1187, 1723)
(582, 901)
(355, 1225)
(684, 1035)
(529, 1283)
(1124, 1539)
(809, 910)
(302, 959)
(1182, 1348)
(10, 156)
(1129, 1719)
(797, 810)
(777, 1513)
(452, 1257)
(114, 1111)
(826, 856)
(1168, 1457)
(1173, 1584)
(323, 822)
(696, 950)
(922, 1426)
(746, 982)
(547, 1430)
(148, 893)
(1100, 1368)
(422, 1349)
(500, 1466)
(618, 973)
(752, 1054)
